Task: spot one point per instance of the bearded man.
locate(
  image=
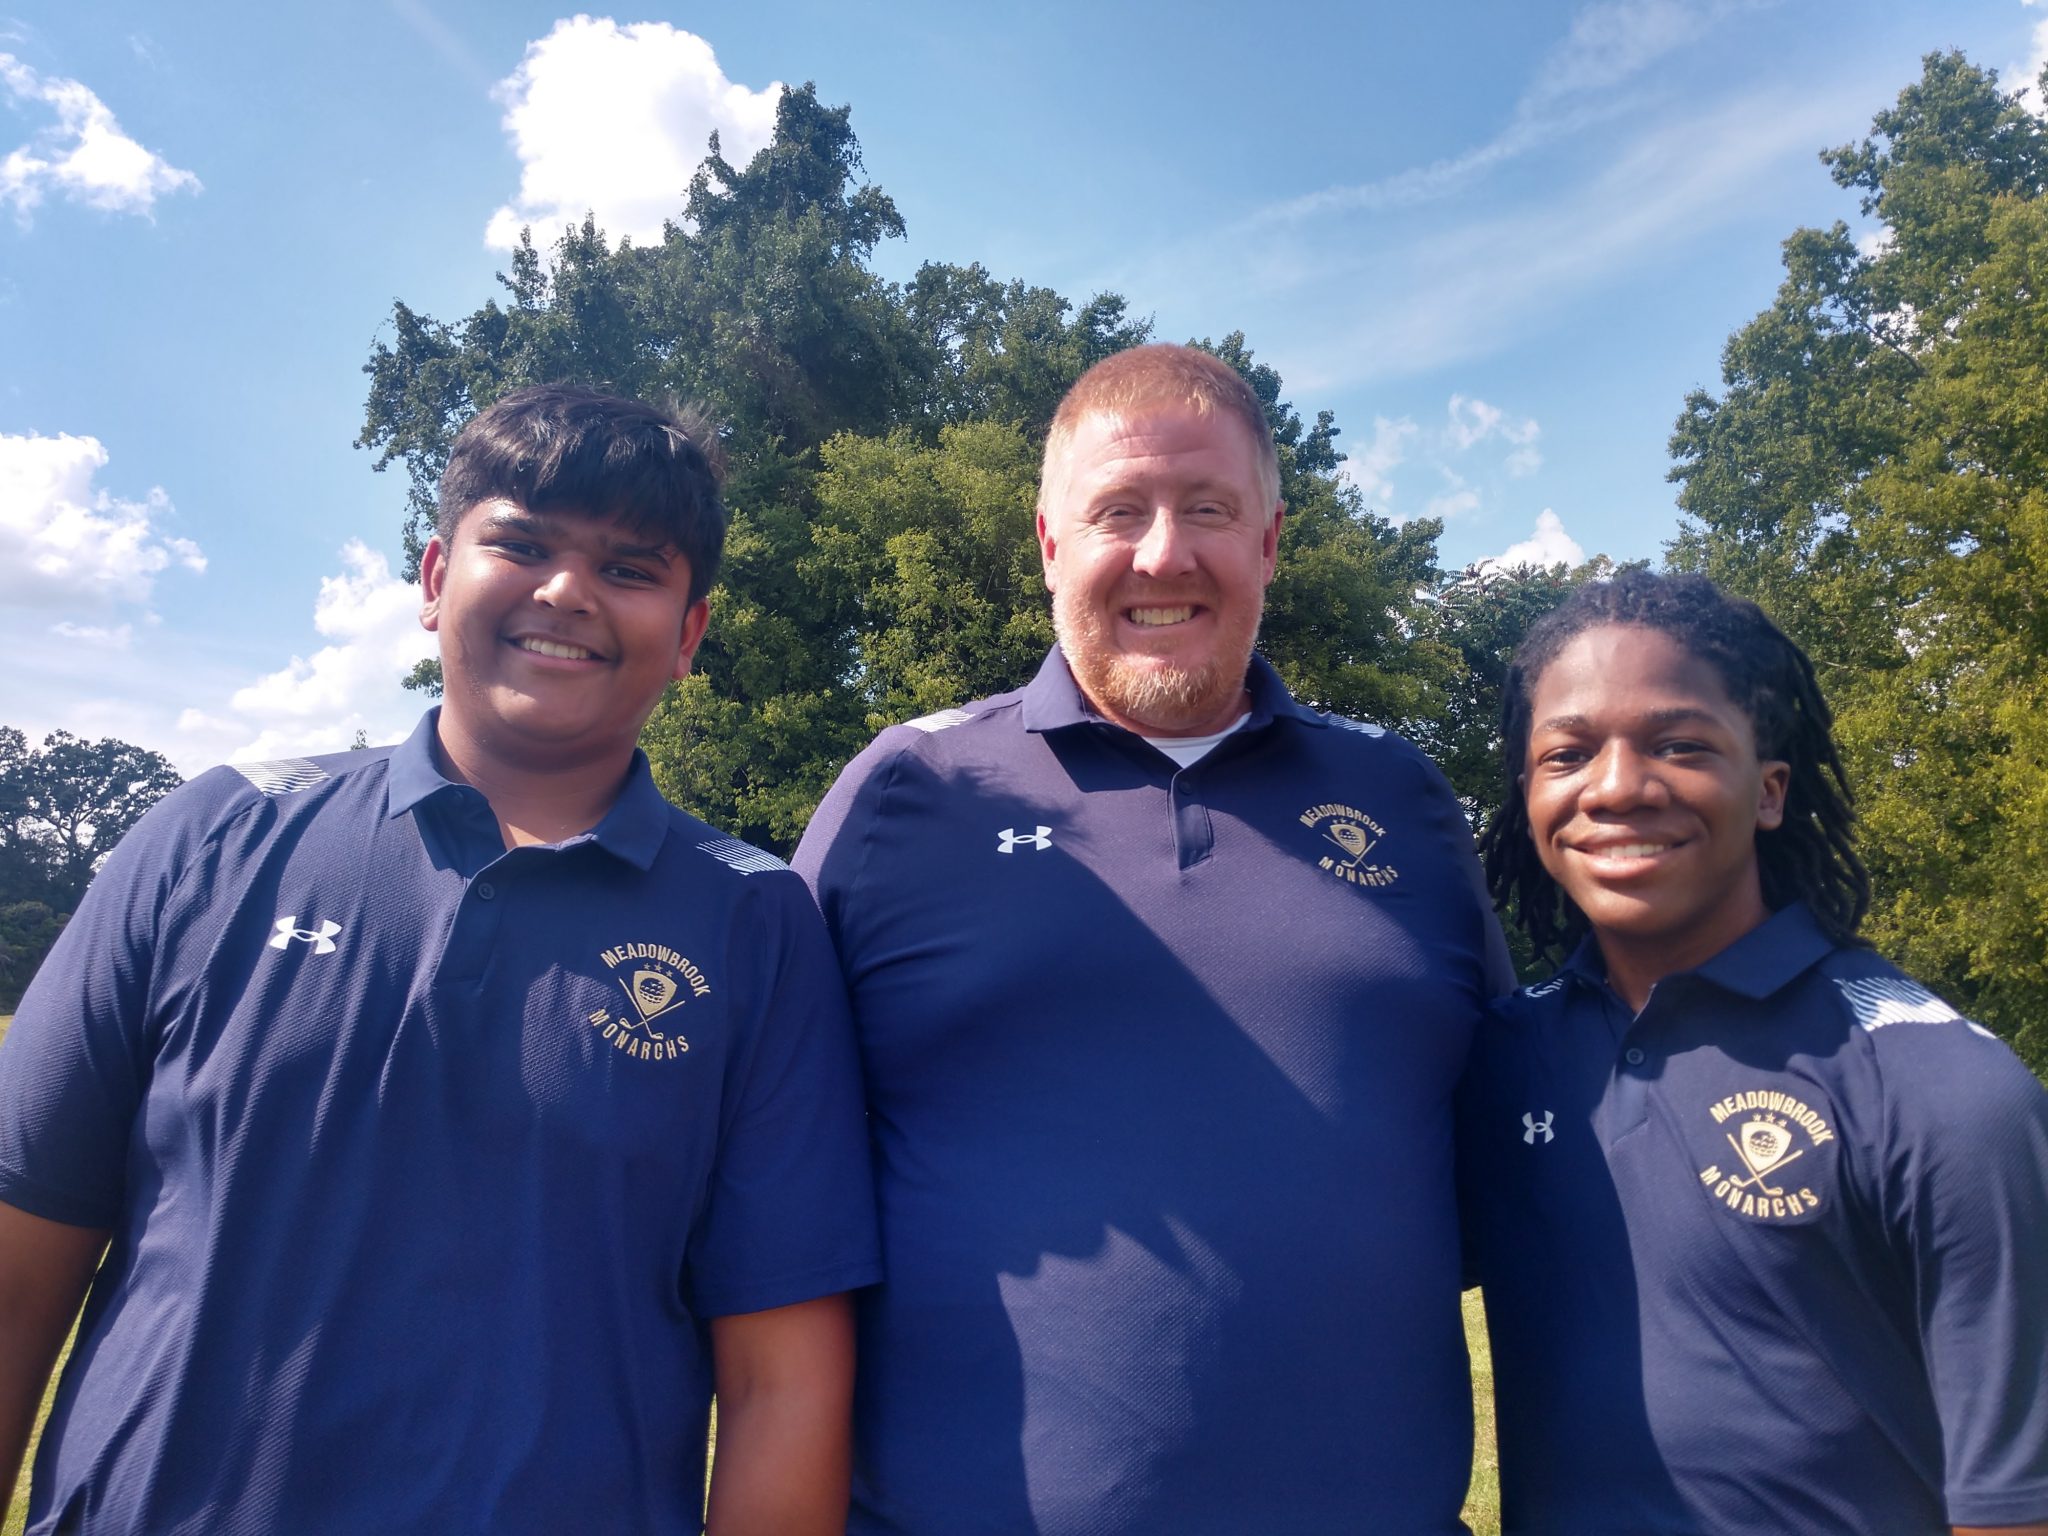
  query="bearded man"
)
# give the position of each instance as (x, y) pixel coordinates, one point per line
(1163, 980)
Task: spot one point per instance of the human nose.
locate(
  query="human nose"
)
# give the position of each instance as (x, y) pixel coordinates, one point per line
(1621, 778)
(1164, 550)
(564, 585)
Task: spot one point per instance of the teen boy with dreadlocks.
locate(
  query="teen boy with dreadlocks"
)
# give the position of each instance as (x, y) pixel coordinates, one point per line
(1762, 1222)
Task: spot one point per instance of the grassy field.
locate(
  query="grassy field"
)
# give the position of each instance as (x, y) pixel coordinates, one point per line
(1482, 1507)
(1482, 1504)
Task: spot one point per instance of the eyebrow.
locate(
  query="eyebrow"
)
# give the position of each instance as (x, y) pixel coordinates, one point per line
(1676, 714)
(1125, 485)
(521, 520)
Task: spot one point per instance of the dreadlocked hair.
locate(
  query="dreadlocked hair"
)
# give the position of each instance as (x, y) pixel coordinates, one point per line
(1811, 857)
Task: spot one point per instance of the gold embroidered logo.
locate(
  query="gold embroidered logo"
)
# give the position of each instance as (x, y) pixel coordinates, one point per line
(1764, 1129)
(1354, 835)
(656, 981)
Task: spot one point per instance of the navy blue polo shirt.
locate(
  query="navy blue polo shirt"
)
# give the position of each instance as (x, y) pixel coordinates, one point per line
(427, 1163)
(1160, 1064)
(1770, 1256)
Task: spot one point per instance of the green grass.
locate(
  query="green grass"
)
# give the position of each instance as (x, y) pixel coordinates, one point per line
(1482, 1505)
(17, 1509)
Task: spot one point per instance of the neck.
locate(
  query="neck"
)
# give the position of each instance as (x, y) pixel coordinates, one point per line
(1217, 720)
(534, 801)
(1635, 966)
(1629, 981)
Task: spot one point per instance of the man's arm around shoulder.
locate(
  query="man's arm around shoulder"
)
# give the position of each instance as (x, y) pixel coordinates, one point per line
(785, 1407)
(45, 1267)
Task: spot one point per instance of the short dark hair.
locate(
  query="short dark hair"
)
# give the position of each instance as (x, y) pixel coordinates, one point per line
(555, 447)
(1810, 857)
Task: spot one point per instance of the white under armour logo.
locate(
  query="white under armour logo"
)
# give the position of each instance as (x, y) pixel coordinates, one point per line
(321, 938)
(1011, 842)
(1532, 1127)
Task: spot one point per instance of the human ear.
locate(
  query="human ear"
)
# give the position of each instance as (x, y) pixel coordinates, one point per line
(1770, 805)
(433, 578)
(1048, 554)
(695, 621)
(1270, 551)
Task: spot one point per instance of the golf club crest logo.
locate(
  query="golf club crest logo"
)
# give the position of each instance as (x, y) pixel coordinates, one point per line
(656, 982)
(1770, 1135)
(1352, 838)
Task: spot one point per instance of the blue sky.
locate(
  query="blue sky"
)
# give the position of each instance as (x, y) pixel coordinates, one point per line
(1500, 241)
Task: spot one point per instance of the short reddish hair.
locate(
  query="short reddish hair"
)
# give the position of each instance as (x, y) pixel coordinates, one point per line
(1162, 374)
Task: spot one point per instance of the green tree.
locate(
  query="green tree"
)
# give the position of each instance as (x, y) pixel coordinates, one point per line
(1873, 472)
(1006, 351)
(759, 302)
(63, 806)
(1344, 615)
(882, 446)
(69, 801)
(1479, 615)
(27, 930)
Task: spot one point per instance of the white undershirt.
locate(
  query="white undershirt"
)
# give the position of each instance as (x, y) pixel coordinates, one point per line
(1190, 750)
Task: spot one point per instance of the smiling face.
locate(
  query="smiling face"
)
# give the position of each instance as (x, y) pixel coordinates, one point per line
(558, 634)
(1158, 545)
(1645, 795)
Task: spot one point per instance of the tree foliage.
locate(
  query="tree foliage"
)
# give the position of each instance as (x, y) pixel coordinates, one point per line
(1872, 471)
(63, 806)
(1478, 617)
(882, 444)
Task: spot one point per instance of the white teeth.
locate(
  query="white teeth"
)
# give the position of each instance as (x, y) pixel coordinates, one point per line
(1161, 615)
(555, 648)
(1630, 850)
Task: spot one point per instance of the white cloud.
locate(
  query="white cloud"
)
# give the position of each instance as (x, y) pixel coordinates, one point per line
(1469, 422)
(2029, 72)
(1371, 469)
(1548, 545)
(1614, 41)
(82, 156)
(1473, 421)
(317, 703)
(1456, 499)
(1487, 281)
(200, 703)
(614, 121)
(118, 638)
(1609, 44)
(63, 542)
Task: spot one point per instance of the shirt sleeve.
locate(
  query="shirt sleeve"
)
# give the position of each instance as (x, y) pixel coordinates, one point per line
(790, 1215)
(1967, 1190)
(834, 850)
(75, 1063)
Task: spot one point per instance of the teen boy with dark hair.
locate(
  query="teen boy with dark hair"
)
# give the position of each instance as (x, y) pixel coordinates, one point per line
(453, 1116)
(1762, 1222)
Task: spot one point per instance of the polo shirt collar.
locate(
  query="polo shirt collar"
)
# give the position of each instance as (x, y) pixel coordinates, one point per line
(1770, 956)
(632, 830)
(412, 775)
(1053, 701)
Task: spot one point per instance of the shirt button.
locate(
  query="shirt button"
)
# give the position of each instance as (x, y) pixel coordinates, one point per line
(1633, 1056)
(485, 891)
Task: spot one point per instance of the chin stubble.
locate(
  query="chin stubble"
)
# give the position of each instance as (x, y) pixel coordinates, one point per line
(1163, 698)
